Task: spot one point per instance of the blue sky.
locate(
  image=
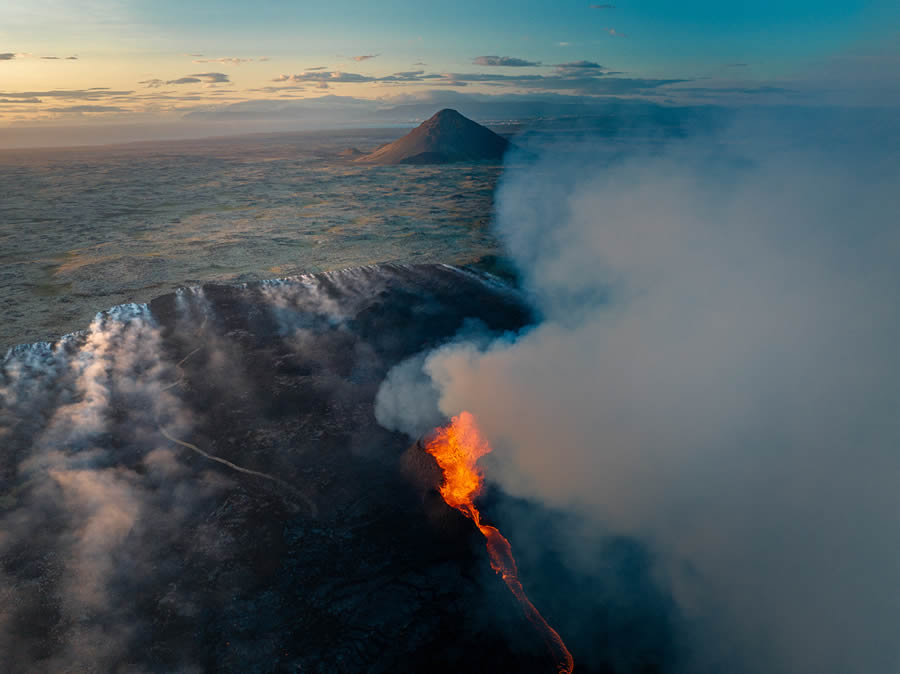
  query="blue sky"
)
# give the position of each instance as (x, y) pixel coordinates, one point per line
(661, 35)
(161, 60)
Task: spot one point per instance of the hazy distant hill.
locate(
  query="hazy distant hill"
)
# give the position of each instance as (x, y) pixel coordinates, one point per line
(446, 137)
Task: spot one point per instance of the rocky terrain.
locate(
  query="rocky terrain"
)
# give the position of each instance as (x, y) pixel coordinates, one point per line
(83, 229)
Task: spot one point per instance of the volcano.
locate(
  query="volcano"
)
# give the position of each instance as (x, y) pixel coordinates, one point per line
(446, 137)
(259, 522)
(201, 484)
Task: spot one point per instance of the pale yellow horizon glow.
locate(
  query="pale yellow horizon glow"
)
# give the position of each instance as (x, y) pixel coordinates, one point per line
(33, 90)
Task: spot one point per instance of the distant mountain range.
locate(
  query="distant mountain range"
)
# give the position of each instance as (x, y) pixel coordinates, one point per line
(334, 111)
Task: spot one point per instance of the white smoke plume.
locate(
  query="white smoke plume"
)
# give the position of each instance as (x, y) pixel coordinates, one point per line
(716, 374)
(92, 511)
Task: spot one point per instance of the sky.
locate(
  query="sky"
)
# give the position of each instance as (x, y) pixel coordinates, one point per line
(68, 63)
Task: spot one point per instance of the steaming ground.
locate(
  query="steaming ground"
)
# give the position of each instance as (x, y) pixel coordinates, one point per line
(715, 376)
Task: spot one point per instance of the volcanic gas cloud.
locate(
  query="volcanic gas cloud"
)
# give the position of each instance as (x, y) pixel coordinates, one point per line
(457, 448)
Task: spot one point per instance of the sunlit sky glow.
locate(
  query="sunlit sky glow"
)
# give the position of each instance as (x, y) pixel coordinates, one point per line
(67, 62)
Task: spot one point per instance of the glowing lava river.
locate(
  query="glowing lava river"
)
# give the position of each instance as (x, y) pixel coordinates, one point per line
(457, 448)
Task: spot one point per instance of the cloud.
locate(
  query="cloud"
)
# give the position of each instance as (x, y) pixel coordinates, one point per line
(615, 33)
(575, 81)
(564, 44)
(404, 76)
(153, 83)
(7, 56)
(505, 61)
(603, 6)
(93, 94)
(88, 108)
(208, 78)
(365, 57)
(213, 78)
(578, 67)
(737, 65)
(582, 77)
(716, 375)
(229, 60)
(295, 88)
(20, 100)
(335, 76)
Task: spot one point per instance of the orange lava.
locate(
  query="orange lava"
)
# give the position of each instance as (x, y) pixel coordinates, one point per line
(457, 448)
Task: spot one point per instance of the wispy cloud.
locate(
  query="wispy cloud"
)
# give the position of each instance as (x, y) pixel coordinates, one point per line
(196, 78)
(603, 6)
(154, 83)
(212, 78)
(577, 77)
(92, 94)
(324, 76)
(505, 61)
(588, 83)
(615, 33)
(88, 108)
(7, 56)
(231, 60)
(59, 58)
(580, 64)
(405, 76)
(737, 65)
(365, 57)
(579, 68)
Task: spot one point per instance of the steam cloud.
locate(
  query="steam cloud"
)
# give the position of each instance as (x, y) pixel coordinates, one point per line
(716, 374)
(91, 520)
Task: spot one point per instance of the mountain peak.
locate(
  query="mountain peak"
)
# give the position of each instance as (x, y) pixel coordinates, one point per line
(447, 113)
(446, 136)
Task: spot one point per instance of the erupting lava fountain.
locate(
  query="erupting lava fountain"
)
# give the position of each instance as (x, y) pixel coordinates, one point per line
(457, 448)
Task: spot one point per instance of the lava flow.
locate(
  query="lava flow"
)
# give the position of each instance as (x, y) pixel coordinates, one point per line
(457, 448)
